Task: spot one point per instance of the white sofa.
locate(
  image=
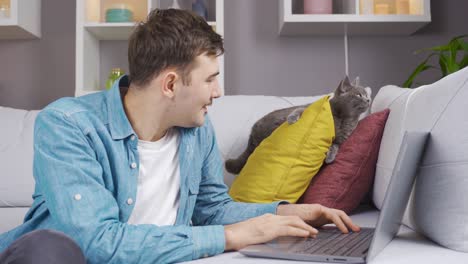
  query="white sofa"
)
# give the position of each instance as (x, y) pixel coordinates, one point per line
(436, 107)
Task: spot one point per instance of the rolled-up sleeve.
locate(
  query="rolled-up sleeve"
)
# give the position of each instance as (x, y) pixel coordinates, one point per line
(208, 240)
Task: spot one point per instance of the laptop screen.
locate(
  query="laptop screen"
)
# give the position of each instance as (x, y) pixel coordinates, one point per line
(399, 190)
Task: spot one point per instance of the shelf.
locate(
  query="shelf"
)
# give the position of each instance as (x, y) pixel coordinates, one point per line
(116, 31)
(296, 24)
(110, 31)
(24, 20)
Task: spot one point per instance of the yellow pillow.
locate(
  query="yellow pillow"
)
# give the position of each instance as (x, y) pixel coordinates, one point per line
(283, 165)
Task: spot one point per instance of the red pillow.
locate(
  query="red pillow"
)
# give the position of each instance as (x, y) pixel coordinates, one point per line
(345, 182)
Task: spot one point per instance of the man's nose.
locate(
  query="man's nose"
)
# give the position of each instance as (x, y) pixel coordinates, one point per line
(216, 90)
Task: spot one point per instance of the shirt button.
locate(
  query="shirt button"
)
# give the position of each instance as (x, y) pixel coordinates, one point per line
(77, 197)
(132, 137)
(130, 201)
(133, 165)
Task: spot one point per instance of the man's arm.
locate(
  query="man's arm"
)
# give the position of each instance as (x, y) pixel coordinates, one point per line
(70, 178)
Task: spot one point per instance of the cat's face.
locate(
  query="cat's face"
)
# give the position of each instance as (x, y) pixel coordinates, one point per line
(353, 96)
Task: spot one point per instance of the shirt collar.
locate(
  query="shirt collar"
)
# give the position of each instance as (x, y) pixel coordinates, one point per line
(119, 124)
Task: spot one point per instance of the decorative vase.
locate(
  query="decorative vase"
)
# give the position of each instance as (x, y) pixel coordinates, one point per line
(113, 76)
(318, 6)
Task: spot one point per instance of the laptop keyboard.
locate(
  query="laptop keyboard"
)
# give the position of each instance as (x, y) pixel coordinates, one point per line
(333, 242)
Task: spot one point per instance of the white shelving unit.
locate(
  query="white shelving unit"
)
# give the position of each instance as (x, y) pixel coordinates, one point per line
(92, 31)
(20, 19)
(293, 22)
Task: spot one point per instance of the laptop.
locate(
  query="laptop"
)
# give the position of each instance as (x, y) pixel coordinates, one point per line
(356, 247)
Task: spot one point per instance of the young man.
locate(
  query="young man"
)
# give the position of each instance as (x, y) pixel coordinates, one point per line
(134, 175)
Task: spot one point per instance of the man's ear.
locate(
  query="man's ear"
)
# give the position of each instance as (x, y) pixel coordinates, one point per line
(168, 83)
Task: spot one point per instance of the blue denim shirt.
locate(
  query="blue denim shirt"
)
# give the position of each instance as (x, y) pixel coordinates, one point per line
(86, 169)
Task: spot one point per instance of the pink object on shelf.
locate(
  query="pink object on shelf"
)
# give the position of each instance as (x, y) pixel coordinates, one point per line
(318, 6)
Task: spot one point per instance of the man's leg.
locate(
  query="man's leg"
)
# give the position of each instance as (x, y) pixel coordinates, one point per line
(41, 247)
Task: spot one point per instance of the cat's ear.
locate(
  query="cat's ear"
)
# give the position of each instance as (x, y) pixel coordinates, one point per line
(344, 86)
(346, 81)
(355, 82)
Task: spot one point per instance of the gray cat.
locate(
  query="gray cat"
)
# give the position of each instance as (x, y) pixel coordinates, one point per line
(347, 103)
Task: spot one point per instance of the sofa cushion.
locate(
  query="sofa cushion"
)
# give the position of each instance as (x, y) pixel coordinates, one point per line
(345, 182)
(11, 218)
(281, 167)
(16, 155)
(437, 206)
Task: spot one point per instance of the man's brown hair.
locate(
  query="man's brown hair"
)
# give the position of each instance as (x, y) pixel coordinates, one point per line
(170, 38)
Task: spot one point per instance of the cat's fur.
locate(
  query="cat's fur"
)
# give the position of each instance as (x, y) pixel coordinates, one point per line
(348, 102)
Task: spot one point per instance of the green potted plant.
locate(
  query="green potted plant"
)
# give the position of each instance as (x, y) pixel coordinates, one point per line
(448, 58)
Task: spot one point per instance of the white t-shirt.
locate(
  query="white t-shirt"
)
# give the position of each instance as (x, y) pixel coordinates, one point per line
(157, 198)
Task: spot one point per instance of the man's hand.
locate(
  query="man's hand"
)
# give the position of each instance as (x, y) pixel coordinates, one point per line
(318, 215)
(264, 228)
(291, 220)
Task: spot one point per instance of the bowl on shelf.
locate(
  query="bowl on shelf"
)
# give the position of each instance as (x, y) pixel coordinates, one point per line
(119, 13)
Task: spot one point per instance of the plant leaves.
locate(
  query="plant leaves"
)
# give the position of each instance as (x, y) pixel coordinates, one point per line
(443, 64)
(464, 62)
(454, 47)
(447, 46)
(463, 45)
(420, 68)
(436, 48)
(447, 58)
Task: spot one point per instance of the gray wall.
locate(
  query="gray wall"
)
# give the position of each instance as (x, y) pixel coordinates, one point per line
(33, 73)
(258, 61)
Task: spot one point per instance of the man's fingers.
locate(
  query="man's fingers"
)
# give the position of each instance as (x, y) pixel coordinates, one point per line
(338, 222)
(293, 231)
(299, 223)
(348, 222)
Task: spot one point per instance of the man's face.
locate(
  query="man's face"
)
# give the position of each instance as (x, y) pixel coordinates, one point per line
(192, 101)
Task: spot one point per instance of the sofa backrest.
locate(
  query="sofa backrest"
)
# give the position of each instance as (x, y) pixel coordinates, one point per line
(16, 155)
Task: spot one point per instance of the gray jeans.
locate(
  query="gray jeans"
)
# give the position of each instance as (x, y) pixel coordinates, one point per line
(41, 247)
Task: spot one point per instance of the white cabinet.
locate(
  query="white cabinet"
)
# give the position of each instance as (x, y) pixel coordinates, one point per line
(20, 19)
(355, 17)
(93, 35)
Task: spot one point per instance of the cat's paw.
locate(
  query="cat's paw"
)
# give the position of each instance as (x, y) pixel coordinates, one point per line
(330, 158)
(331, 154)
(293, 118)
(232, 166)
